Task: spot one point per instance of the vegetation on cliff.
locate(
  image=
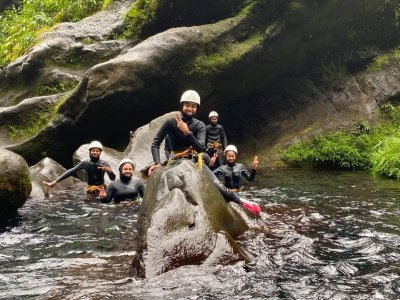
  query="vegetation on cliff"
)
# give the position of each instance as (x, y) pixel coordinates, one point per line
(20, 27)
(373, 148)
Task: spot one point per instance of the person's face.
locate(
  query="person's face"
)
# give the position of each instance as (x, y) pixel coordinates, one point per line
(127, 170)
(95, 152)
(230, 156)
(214, 120)
(189, 108)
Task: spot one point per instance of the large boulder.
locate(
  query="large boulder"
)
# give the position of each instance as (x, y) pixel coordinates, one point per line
(15, 182)
(184, 220)
(48, 170)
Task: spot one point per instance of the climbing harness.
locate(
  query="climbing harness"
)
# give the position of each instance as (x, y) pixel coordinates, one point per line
(188, 153)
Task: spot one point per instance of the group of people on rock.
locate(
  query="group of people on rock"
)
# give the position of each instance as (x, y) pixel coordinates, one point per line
(186, 138)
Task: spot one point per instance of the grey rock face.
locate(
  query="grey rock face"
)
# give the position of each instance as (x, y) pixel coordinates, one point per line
(184, 220)
(48, 170)
(15, 182)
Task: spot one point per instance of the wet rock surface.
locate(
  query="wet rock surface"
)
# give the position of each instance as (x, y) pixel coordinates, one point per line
(15, 182)
(184, 220)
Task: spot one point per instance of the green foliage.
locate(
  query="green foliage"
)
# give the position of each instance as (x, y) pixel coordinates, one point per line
(380, 62)
(338, 150)
(19, 28)
(372, 148)
(385, 160)
(227, 54)
(56, 88)
(142, 12)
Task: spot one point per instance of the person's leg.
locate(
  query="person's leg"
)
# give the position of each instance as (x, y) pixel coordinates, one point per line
(228, 195)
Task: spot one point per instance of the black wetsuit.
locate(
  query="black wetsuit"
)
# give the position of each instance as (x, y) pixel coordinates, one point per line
(231, 174)
(216, 133)
(95, 176)
(178, 142)
(124, 188)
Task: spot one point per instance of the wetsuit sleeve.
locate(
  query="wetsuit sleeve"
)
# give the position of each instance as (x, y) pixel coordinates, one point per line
(219, 173)
(71, 171)
(227, 194)
(249, 176)
(155, 146)
(223, 138)
(111, 174)
(109, 194)
(199, 140)
(141, 189)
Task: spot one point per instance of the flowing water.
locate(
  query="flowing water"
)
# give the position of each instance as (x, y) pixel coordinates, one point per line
(333, 235)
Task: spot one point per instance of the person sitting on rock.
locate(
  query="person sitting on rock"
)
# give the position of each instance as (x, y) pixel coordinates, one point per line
(186, 141)
(215, 140)
(232, 172)
(125, 188)
(95, 169)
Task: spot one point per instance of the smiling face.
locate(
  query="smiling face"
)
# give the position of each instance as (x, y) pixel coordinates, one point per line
(95, 152)
(127, 169)
(189, 108)
(230, 157)
(214, 120)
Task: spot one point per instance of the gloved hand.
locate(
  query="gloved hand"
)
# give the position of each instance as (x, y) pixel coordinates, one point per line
(252, 206)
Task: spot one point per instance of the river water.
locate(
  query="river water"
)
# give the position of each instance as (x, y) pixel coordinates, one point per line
(332, 235)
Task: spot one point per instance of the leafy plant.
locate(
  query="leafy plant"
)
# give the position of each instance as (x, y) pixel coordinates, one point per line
(20, 27)
(366, 147)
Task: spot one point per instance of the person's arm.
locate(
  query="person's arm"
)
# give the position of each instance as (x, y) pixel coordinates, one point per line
(249, 176)
(110, 193)
(219, 173)
(141, 189)
(66, 174)
(155, 147)
(105, 166)
(198, 141)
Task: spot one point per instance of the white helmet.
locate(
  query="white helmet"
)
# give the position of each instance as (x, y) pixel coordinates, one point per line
(213, 114)
(95, 144)
(231, 148)
(124, 161)
(191, 96)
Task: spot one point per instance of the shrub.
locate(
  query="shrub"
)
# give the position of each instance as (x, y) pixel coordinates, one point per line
(19, 27)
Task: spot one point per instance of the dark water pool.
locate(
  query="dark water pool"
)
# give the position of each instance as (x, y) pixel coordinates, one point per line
(333, 235)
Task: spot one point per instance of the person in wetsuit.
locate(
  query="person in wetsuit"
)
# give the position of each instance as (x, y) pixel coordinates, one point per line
(124, 188)
(215, 140)
(95, 169)
(232, 172)
(186, 139)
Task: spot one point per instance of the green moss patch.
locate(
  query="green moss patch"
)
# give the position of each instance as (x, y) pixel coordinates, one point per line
(37, 121)
(56, 88)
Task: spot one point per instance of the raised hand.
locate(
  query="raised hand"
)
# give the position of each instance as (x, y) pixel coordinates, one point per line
(255, 162)
(213, 159)
(181, 125)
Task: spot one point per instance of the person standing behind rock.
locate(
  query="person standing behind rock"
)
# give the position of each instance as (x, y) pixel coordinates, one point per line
(215, 140)
(124, 188)
(95, 169)
(232, 172)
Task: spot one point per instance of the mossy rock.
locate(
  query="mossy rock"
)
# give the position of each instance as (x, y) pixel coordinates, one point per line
(15, 182)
